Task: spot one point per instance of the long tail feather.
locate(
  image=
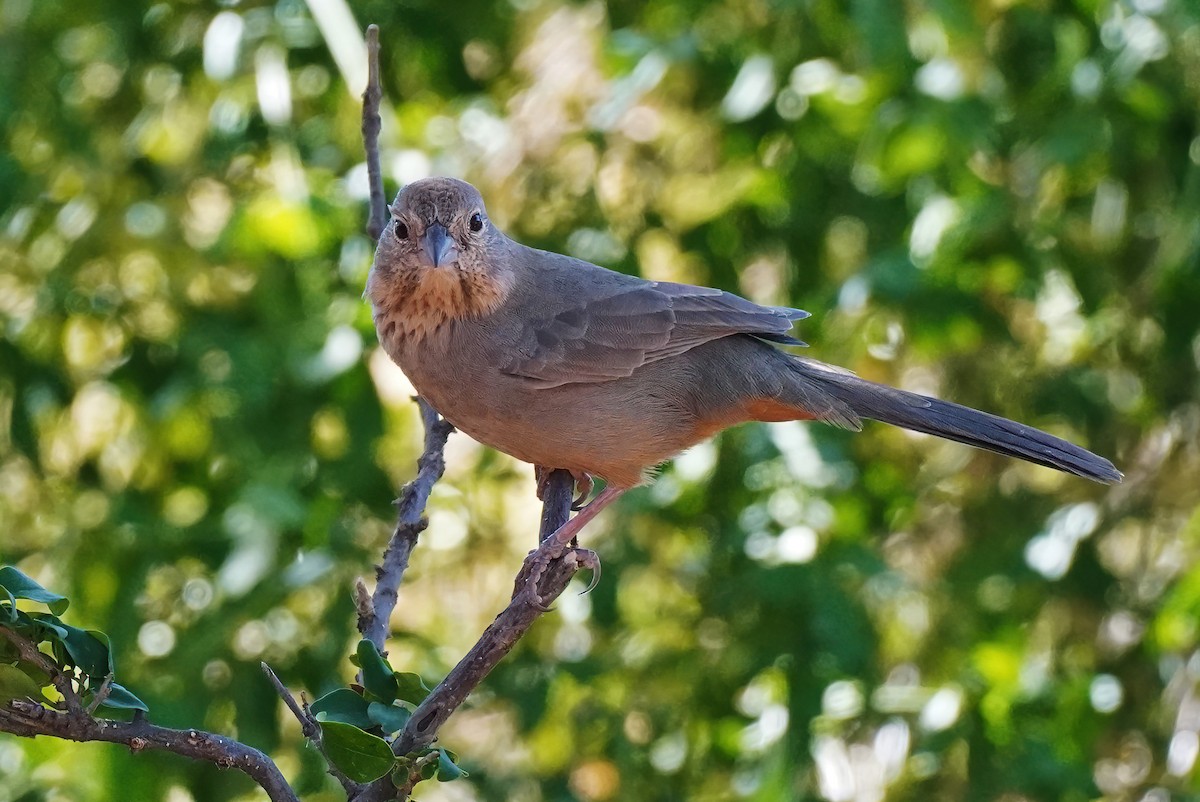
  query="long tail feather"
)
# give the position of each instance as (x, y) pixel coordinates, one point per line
(956, 422)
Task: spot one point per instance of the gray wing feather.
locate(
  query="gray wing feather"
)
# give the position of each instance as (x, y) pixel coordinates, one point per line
(611, 337)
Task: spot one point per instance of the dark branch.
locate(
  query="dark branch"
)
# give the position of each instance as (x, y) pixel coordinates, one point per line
(62, 682)
(410, 506)
(556, 503)
(28, 718)
(497, 640)
(371, 126)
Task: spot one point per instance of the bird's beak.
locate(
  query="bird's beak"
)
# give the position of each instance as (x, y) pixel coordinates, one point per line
(437, 246)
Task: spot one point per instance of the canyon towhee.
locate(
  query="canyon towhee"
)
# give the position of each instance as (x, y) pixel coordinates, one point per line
(565, 364)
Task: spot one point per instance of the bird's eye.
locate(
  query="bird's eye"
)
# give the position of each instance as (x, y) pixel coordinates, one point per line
(477, 222)
(401, 230)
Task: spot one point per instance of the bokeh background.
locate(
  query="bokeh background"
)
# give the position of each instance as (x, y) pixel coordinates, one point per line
(996, 201)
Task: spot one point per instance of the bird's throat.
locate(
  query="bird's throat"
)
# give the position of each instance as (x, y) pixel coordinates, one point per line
(417, 304)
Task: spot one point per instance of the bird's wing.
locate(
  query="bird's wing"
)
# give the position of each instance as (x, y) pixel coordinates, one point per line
(609, 337)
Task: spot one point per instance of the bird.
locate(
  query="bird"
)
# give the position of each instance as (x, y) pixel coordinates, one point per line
(568, 365)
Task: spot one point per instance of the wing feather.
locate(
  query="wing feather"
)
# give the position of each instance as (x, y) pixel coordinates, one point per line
(612, 336)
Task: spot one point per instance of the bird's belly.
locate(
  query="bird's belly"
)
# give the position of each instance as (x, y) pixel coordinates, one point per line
(607, 429)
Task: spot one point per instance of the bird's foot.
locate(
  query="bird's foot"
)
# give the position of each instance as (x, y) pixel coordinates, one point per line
(556, 545)
(535, 568)
(583, 481)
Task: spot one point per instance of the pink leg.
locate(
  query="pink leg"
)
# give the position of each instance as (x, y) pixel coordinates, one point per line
(555, 545)
(568, 531)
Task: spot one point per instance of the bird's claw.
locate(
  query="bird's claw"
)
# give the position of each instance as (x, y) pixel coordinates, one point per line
(529, 596)
(537, 565)
(584, 483)
(586, 558)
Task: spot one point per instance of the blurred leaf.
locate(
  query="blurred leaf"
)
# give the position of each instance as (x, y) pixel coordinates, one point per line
(391, 718)
(16, 684)
(411, 688)
(120, 698)
(447, 769)
(19, 586)
(378, 677)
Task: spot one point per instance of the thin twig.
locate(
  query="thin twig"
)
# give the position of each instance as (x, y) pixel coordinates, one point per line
(311, 729)
(371, 126)
(410, 523)
(28, 718)
(414, 774)
(504, 632)
(308, 725)
(101, 695)
(495, 642)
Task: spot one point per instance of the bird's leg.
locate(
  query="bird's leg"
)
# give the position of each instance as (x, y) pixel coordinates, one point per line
(567, 532)
(556, 544)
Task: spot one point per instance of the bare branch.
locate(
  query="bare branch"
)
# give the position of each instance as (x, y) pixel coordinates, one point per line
(28, 718)
(308, 725)
(101, 695)
(497, 640)
(410, 523)
(371, 126)
(556, 503)
(311, 730)
(503, 633)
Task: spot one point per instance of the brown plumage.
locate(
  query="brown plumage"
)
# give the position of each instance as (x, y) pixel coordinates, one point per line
(565, 364)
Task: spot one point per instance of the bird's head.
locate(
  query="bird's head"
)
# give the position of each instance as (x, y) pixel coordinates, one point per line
(439, 223)
(439, 258)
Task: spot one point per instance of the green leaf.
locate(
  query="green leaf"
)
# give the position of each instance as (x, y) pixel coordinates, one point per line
(410, 688)
(359, 755)
(390, 717)
(447, 769)
(378, 677)
(88, 649)
(344, 706)
(120, 698)
(43, 626)
(16, 684)
(20, 586)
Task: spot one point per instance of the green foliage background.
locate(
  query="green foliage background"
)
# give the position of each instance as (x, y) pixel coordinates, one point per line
(992, 201)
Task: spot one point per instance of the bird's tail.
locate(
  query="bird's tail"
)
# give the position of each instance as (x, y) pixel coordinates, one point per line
(845, 393)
